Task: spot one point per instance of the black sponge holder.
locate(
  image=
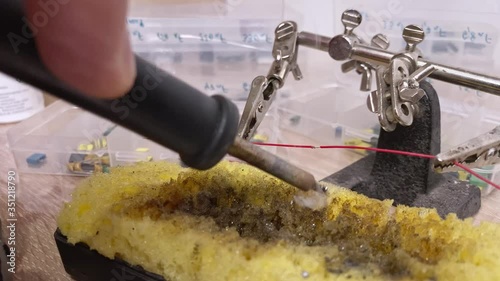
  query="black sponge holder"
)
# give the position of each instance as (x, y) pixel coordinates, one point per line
(84, 264)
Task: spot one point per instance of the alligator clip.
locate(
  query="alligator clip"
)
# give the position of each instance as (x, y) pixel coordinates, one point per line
(263, 90)
(259, 100)
(476, 153)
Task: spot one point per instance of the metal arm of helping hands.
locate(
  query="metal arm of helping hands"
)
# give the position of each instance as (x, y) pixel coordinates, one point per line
(398, 75)
(263, 89)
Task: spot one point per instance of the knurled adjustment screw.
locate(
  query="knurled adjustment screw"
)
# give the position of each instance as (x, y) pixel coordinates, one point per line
(413, 35)
(351, 19)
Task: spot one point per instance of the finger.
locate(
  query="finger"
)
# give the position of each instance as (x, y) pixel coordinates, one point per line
(85, 43)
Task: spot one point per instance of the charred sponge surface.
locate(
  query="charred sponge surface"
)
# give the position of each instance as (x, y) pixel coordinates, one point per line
(234, 222)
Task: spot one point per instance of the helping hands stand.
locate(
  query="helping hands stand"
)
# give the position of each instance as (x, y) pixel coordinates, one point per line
(406, 105)
(408, 180)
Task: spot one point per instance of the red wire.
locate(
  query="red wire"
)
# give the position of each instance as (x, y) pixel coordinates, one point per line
(349, 147)
(398, 152)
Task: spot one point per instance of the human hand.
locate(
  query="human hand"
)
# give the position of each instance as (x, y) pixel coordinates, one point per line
(86, 44)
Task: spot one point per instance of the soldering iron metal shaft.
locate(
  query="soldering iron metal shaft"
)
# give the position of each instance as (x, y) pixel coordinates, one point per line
(274, 165)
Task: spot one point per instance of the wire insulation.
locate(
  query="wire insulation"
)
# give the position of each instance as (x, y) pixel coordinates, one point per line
(381, 150)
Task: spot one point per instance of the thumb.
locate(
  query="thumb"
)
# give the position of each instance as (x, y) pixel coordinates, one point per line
(85, 43)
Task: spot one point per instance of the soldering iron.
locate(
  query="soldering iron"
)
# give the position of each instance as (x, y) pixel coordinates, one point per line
(160, 107)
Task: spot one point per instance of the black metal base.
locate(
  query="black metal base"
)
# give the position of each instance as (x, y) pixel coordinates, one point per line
(84, 264)
(409, 180)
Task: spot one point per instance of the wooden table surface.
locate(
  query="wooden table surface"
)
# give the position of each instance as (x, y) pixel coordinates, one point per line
(40, 197)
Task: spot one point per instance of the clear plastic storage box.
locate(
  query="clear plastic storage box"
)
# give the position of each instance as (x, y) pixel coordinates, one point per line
(66, 140)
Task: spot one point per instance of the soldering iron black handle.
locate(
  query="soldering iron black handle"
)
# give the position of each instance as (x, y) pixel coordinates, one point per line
(160, 107)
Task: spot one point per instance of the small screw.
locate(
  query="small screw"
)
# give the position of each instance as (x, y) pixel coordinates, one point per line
(413, 35)
(351, 19)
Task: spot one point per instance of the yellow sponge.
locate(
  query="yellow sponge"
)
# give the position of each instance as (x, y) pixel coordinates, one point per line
(237, 223)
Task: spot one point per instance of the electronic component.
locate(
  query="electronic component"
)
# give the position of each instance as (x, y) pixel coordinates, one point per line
(79, 163)
(36, 159)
